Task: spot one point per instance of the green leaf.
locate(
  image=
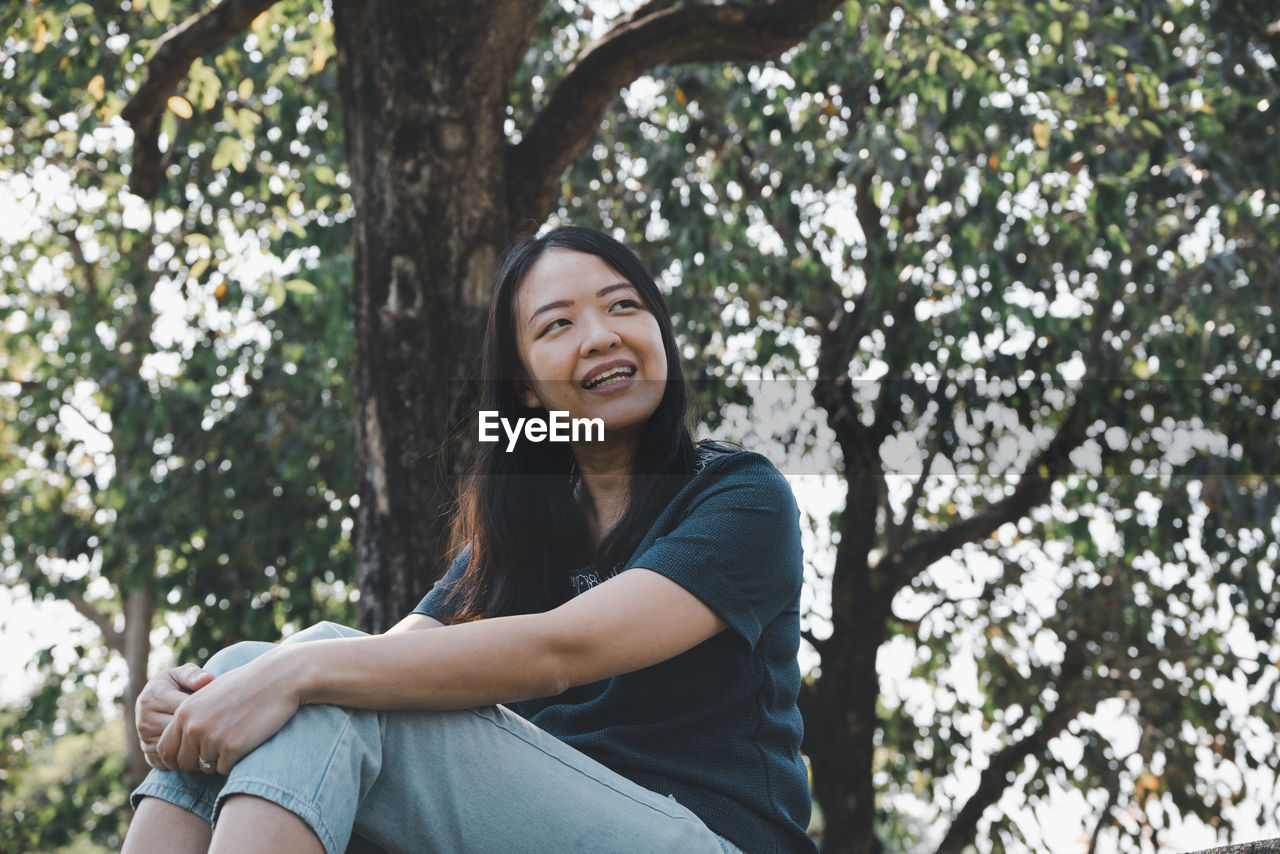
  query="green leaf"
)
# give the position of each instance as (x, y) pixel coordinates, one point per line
(276, 294)
(228, 152)
(1117, 236)
(198, 269)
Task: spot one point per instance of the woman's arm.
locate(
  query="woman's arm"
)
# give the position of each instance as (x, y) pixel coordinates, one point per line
(632, 621)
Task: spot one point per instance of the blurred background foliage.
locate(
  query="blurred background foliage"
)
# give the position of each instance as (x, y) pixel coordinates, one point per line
(175, 426)
(1041, 210)
(1034, 210)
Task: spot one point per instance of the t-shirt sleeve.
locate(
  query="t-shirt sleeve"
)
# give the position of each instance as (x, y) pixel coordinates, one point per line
(737, 547)
(436, 603)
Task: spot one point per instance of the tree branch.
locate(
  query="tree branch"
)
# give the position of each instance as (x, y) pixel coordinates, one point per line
(645, 11)
(84, 416)
(897, 354)
(896, 533)
(1004, 765)
(841, 332)
(90, 278)
(1032, 489)
(113, 638)
(814, 641)
(653, 35)
(1034, 484)
(867, 213)
(999, 773)
(174, 53)
(1104, 818)
(914, 625)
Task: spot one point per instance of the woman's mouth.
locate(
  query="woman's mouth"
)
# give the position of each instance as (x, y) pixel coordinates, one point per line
(612, 378)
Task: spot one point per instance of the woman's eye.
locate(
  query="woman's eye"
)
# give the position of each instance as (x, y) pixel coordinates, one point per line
(552, 325)
(626, 303)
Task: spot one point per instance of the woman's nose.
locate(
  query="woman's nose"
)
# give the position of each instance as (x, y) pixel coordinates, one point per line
(598, 337)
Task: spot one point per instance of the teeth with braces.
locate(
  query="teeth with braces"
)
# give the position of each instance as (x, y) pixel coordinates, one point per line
(603, 378)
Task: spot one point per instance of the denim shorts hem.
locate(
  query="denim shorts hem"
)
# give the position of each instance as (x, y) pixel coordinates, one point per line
(268, 791)
(191, 799)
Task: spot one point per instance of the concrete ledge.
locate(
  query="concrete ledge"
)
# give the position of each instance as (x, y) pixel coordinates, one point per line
(1262, 846)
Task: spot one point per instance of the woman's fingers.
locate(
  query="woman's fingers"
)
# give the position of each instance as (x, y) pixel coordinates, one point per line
(149, 742)
(151, 757)
(156, 705)
(226, 720)
(151, 725)
(188, 740)
(162, 694)
(191, 677)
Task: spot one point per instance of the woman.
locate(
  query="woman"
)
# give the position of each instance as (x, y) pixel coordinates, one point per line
(633, 603)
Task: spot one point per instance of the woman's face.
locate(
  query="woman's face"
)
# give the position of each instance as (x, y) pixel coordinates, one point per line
(588, 343)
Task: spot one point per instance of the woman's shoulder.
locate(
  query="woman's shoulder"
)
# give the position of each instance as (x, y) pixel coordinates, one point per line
(716, 458)
(709, 450)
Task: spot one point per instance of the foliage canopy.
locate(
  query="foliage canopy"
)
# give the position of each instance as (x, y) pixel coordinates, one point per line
(1017, 261)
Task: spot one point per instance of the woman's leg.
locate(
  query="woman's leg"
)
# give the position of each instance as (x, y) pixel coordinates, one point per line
(483, 780)
(174, 809)
(247, 823)
(473, 780)
(161, 826)
(180, 806)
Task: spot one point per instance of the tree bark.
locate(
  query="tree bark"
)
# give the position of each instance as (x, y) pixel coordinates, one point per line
(840, 735)
(438, 192)
(841, 722)
(424, 89)
(139, 610)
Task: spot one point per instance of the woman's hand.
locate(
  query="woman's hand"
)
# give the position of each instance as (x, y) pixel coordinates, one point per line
(230, 716)
(160, 698)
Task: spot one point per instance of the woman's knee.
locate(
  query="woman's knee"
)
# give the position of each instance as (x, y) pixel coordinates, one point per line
(236, 655)
(324, 630)
(239, 654)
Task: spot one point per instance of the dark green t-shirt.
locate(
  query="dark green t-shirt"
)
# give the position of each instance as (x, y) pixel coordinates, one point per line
(716, 726)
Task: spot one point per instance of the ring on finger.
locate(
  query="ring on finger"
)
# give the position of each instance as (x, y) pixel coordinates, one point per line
(207, 766)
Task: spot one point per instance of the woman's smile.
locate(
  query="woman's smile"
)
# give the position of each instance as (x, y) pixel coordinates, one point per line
(587, 342)
(610, 376)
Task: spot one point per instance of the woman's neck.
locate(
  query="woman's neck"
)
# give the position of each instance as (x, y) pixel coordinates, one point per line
(606, 480)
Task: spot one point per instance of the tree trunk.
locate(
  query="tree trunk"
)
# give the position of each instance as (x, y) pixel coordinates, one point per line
(841, 728)
(139, 610)
(424, 90)
(841, 721)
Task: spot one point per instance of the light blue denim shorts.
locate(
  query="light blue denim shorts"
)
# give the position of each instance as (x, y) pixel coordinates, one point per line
(480, 780)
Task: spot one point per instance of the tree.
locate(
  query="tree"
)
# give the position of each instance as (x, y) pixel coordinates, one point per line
(1033, 250)
(439, 185)
(994, 240)
(173, 427)
(123, 512)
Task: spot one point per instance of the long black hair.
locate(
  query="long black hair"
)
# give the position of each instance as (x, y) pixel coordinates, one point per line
(517, 510)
